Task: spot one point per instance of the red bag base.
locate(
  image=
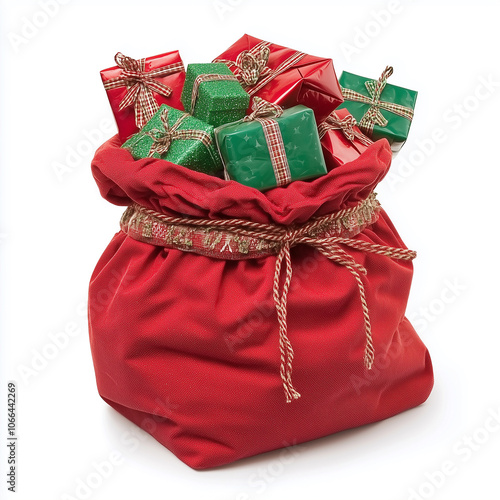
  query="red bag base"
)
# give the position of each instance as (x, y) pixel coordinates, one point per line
(200, 449)
(187, 346)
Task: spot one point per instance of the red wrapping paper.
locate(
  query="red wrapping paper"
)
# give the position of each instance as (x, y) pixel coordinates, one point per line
(337, 148)
(125, 119)
(311, 81)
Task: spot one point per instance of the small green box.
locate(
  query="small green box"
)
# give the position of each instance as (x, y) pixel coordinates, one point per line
(246, 155)
(190, 153)
(397, 129)
(218, 101)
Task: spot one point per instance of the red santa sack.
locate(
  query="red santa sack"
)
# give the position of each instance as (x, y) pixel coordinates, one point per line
(227, 322)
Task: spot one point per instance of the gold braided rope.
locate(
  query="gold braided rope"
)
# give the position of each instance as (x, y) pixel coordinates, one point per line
(322, 233)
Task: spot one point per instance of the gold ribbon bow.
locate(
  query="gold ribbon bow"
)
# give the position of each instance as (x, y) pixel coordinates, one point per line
(346, 126)
(373, 116)
(163, 138)
(253, 66)
(140, 86)
(263, 109)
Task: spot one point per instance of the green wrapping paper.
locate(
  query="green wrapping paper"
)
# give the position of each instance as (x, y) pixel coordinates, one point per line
(246, 156)
(397, 129)
(190, 153)
(218, 102)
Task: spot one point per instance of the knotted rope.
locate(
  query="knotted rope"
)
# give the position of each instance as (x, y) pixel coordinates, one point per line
(329, 234)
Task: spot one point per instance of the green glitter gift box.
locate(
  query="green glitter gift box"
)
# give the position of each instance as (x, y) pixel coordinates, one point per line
(252, 157)
(178, 137)
(381, 110)
(218, 97)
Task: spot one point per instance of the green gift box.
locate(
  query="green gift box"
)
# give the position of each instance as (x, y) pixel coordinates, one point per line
(246, 149)
(382, 110)
(178, 137)
(218, 96)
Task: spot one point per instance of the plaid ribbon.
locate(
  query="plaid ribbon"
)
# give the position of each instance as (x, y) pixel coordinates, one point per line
(251, 67)
(373, 116)
(264, 112)
(346, 126)
(163, 138)
(140, 86)
(263, 109)
(207, 78)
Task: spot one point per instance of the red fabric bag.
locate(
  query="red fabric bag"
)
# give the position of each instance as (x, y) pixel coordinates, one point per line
(195, 330)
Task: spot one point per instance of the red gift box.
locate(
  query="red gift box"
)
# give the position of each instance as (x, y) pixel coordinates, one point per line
(137, 88)
(284, 76)
(341, 139)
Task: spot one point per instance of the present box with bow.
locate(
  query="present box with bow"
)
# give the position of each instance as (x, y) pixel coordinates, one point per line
(178, 137)
(271, 147)
(341, 139)
(213, 94)
(137, 87)
(284, 76)
(382, 110)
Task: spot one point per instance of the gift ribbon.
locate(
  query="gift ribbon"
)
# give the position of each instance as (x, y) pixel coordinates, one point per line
(373, 116)
(140, 86)
(346, 126)
(163, 138)
(207, 78)
(264, 112)
(329, 234)
(252, 70)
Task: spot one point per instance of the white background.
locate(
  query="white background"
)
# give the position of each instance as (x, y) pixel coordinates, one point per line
(441, 195)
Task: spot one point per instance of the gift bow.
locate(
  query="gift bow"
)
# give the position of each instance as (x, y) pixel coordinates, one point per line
(263, 109)
(140, 86)
(252, 70)
(373, 116)
(163, 138)
(346, 126)
(253, 65)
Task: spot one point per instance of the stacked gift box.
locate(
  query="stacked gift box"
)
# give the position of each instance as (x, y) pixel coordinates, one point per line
(259, 114)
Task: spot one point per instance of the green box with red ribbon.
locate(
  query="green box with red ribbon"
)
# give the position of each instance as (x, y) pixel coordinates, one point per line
(382, 110)
(178, 137)
(271, 147)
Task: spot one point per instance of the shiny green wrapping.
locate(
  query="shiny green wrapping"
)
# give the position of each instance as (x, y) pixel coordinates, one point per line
(396, 131)
(218, 102)
(246, 156)
(189, 153)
